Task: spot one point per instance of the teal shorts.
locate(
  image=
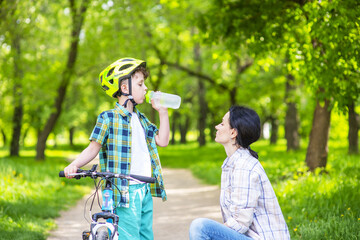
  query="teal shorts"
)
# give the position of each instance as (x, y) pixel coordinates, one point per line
(136, 222)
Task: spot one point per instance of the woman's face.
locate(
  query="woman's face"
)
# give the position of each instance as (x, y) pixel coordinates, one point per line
(224, 133)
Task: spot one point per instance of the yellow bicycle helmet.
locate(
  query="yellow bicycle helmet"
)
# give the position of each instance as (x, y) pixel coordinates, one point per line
(111, 77)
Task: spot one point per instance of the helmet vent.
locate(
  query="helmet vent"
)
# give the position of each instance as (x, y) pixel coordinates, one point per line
(105, 87)
(111, 81)
(110, 72)
(101, 78)
(125, 66)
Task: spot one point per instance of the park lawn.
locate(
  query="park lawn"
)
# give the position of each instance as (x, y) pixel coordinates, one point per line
(315, 205)
(32, 194)
(320, 205)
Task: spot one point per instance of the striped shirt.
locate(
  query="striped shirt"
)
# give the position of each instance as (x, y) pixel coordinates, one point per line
(247, 199)
(113, 132)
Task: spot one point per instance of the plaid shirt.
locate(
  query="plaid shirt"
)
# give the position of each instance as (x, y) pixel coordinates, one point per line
(247, 199)
(113, 132)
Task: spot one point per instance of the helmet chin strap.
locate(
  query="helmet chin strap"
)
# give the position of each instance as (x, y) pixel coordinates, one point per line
(131, 100)
(130, 97)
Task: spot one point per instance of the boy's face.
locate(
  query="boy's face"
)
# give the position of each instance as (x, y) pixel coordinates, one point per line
(138, 87)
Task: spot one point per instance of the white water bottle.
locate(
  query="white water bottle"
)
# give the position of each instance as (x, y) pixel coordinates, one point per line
(164, 99)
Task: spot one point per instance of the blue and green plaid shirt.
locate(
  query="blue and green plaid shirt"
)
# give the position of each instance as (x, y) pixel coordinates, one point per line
(113, 132)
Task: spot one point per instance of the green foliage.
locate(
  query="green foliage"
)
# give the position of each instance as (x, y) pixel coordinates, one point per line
(32, 195)
(320, 205)
(319, 39)
(277, 43)
(315, 41)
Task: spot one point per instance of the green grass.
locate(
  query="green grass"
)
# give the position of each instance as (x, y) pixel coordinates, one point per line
(32, 194)
(315, 205)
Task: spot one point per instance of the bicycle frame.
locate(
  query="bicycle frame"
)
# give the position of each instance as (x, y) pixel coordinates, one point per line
(107, 207)
(107, 213)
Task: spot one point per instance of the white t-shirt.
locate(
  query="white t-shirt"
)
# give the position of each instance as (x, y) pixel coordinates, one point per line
(140, 157)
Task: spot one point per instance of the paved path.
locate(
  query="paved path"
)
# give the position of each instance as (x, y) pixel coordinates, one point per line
(187, 199)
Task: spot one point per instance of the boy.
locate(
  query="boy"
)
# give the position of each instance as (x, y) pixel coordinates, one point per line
(126, 142)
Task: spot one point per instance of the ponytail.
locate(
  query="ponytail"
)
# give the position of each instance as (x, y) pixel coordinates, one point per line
(247, 124)
(253, 153)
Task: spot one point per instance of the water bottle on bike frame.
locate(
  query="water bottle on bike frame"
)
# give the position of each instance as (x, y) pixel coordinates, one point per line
(109, 229)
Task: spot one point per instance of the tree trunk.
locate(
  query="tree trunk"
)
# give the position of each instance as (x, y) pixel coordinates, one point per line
(240, 69)
(274, 130)
(24, 136)
(71, 136)
(317, 150)
(202, 113)
(77, 21)
(184, 129)
(232, 95)
(353, 135)
(4, 137)
(156, 86)
(291, 119)
(173, 127)
(212, 126)
(18, 102)
(202, 101)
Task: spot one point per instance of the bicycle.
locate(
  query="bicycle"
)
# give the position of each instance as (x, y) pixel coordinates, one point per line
(104, 230)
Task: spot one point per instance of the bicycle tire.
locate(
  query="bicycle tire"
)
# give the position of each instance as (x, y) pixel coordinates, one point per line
(102, 234)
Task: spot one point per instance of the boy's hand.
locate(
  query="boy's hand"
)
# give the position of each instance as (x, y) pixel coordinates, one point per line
(70, 169)
(156, 106)
(162, 138)
(84, 158)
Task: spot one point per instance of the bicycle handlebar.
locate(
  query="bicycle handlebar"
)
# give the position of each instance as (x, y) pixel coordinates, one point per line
(93, 174)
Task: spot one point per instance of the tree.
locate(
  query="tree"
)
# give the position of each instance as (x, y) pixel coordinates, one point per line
(201, 95)
(11, 14)
(319, 38)
(292, 122)
(354, 126)
(291, 119)
(78, 15)
(331, 44)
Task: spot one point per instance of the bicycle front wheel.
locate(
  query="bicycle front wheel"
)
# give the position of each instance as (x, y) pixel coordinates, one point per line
(102, 234)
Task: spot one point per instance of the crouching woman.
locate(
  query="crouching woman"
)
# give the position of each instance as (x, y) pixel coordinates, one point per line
(248, 202)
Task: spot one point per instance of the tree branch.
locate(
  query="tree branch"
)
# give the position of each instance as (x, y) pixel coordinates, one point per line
(199, 75)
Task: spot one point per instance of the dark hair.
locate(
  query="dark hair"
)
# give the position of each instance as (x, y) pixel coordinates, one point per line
(143, 70)
(247, 123)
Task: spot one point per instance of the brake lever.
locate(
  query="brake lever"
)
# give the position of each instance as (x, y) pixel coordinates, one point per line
(94, 167)
(79, 171)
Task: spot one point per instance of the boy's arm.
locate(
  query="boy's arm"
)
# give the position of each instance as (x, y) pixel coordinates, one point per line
(162, 138)
(84, 157)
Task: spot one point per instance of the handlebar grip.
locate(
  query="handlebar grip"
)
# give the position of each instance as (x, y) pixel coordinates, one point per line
(62, 174)
(144, 179)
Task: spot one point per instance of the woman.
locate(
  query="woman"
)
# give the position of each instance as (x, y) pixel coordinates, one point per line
(248, 203)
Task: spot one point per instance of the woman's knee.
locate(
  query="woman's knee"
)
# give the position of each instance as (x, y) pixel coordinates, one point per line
(197, 228)
(198, 223)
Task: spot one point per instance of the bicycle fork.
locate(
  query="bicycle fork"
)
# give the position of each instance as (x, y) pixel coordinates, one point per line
(107, 214)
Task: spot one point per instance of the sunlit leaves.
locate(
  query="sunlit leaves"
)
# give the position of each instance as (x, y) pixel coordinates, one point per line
(320, 38)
